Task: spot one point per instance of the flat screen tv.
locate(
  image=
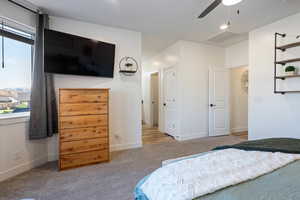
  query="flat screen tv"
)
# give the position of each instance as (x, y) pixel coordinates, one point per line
(70, 54)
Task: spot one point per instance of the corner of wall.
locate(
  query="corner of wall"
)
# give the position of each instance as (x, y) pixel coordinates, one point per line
(121, 147)
(22, 168)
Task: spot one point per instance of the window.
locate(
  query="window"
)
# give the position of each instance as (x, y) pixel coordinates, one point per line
(15, 70)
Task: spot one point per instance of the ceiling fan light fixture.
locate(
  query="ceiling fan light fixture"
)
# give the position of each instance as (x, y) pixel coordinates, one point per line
(230, 2)
(224, 27)
(156, 63)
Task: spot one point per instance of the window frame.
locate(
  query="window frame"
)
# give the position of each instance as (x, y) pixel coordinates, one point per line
(7, 31)
(15, 36)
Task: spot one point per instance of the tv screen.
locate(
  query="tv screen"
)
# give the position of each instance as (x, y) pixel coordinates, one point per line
(70, 54)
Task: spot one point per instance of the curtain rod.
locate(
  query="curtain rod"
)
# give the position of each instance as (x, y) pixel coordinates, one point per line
(24, 7)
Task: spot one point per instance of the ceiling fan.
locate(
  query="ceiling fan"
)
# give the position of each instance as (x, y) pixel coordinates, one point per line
(216, 3)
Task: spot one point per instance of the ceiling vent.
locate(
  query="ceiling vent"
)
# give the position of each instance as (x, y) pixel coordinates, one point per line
(222, 37)
(227, 38)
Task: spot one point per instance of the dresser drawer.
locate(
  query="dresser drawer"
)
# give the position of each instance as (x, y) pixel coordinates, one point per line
(83, 145)
(75, 160)
(83, 96)
(83, 109)
(83, 121)
(82, 133)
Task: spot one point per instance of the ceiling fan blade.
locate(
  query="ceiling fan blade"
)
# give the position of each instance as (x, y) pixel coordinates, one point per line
(210, 8)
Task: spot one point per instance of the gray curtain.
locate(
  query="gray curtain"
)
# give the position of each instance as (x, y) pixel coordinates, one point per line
(43, 114)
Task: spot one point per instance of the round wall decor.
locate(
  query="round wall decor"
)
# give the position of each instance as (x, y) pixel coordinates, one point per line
(128, 66)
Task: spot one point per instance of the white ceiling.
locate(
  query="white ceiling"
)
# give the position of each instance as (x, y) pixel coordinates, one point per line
(163, 22)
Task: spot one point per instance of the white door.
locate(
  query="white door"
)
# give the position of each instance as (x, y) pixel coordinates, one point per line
(218, 102)
(169, 103)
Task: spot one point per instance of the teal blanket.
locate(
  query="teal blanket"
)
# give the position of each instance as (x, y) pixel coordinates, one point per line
(283, 145)
(282, 184)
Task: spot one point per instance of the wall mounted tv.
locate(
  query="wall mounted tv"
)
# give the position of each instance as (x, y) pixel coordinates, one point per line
(70, 54)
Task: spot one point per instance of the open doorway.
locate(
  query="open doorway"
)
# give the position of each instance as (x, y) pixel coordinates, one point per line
(157, 107)
(239, 101)
(154, 86)
(228, 102)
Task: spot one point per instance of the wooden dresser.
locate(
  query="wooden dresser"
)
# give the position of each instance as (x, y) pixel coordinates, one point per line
(83, 127)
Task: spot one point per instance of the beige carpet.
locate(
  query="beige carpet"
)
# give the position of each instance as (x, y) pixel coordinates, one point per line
(109, 181)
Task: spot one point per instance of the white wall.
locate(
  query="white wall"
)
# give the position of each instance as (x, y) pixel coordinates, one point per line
(271, 115)
(237, 55)
(192, 61)
(237, 58)
(238, 101)
(196, 59)
(18, 154)
(125, 94)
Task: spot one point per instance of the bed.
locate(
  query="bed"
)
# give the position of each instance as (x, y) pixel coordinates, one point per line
(282, 182)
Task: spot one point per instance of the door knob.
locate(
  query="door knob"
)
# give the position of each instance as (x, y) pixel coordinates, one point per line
(212, 105)
(164, 104)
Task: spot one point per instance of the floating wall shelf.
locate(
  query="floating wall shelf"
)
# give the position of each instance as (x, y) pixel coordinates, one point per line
(288, 46)
(127, 71)
(284, 92)
(285, 77)
(284, 62)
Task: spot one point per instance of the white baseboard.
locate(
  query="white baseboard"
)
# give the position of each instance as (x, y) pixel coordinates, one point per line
(52, 157)
(191, 136)
(239, 129)
(22, 168)
(119, 147)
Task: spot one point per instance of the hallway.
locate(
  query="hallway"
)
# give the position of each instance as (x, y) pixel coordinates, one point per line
(151, 135)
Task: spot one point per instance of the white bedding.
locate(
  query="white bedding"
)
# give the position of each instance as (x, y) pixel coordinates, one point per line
(194, 177)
